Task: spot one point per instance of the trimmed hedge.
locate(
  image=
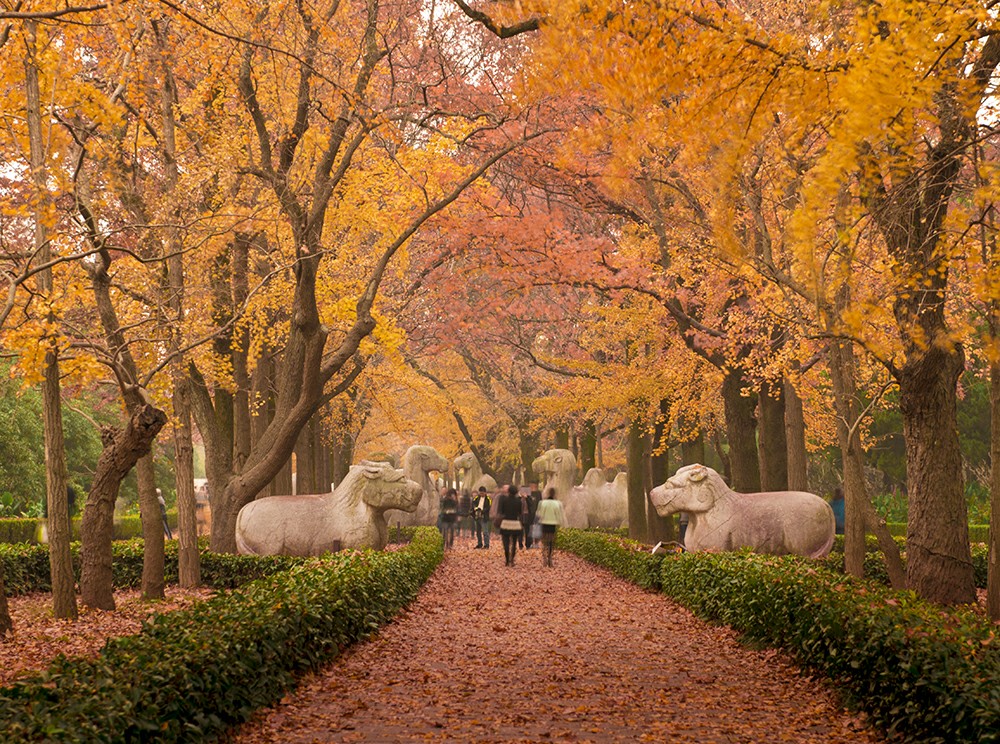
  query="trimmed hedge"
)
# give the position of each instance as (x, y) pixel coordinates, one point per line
(190, 674)
(625, 558)
(978, 533)
(26, 529)
(924, 674)
(875, 563)
(26, 567)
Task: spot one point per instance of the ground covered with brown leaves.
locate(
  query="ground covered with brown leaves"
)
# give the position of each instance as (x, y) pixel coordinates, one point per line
(570, 654)
(38, 638)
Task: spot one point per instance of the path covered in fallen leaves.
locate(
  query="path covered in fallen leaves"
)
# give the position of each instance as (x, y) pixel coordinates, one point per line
(527, 654)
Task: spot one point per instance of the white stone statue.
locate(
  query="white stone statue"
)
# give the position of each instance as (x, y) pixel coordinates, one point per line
(775, 522)
(353, 516)
(594, 503)
(418, 463)
(473, 477)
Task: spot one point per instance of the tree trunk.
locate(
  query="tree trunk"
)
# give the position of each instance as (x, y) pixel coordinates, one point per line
(60, 560)
(188, 556)
(305, 459)
(660, 528)
(741, 430)
(773, 439)
(588, 446)
(939, 562)
(841, 362)
(561, 438)
(993, 556)
(343, 455)
(795, 431)
(262, 405)
(122, 449)
(152, 529)
(635, 456)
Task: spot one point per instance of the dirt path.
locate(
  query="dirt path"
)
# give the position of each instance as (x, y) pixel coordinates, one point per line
(527, 654)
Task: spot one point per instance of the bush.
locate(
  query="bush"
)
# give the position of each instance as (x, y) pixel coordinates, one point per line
(625, 558)
(26, 529)
(190, 674)
(875, 562)
(923, 674)
(26, 567)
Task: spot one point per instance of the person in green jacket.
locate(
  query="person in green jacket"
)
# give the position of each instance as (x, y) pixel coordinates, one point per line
(549, 515)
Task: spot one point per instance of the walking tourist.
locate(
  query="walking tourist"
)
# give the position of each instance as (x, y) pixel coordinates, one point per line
(481, 511)
(449, 513)
(550, 517)
(531, 499)
(510, 524)
(464, 513)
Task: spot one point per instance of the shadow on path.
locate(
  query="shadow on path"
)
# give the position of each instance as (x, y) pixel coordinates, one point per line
(489, 653)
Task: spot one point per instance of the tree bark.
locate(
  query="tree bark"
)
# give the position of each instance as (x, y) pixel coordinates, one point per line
(60, 560)
(152, 529)
(588, 446)
(188, 556)
(939, 561)
(773, 440)
(305, 459)
(635, 455)
(561, 440)
(660, 528)
(122, 449)
(741, 431)
(795, 428)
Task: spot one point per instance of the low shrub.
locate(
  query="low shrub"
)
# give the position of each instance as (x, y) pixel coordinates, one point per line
(190, 674)
(875, 562)
(18, 530)
(626, 558)
(924, 674)
(26, 567)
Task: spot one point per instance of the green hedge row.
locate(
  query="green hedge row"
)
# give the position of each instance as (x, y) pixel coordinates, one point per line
(26, 567)
(875, 563)
(978, 533)
(26, 529)
(188, 675)
(922, 673)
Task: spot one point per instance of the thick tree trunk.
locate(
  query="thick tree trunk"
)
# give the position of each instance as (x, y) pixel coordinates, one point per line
(588, 446)
(773, 439)
(635, 455)
(343, 456)
(795, 431)
(561, 438)
(741, 430)
(262, 405)
(152, 529)
(993, 556)
(122, 449)
(939, 562)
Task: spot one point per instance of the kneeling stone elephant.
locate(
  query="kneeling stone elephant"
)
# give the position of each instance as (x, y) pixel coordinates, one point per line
(775, 522)
(353, 516)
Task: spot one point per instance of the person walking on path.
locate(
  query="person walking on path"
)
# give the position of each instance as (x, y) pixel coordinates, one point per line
(550, 516)
(449, 513)
(531, 499)
(510, 524)
(481, 511)
(464, 513)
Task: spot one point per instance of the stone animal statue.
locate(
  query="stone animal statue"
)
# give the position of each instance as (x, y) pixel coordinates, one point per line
(594, 503)
(418, 463)
(353, 516)
(473, 477)
(775, 522)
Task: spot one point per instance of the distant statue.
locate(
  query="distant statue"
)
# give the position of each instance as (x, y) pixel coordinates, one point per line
(419, 462)
(594, 503)
(473, 477)
(774, 522)
(353, 516)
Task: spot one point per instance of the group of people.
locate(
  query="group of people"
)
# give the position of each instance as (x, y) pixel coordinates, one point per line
(522, 517)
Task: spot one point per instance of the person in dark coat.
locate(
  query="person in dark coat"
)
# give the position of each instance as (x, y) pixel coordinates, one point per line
(510, 525)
